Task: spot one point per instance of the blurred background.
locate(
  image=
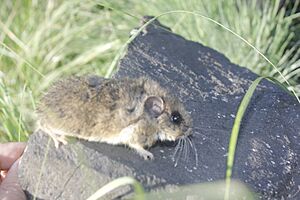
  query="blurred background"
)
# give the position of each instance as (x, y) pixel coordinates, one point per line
(42, 41)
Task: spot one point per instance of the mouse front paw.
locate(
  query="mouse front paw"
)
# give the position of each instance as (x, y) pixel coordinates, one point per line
(147, 155)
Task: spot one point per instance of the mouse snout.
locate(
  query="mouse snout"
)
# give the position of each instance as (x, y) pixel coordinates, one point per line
(186, 130)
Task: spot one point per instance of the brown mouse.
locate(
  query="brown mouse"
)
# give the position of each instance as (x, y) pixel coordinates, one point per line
(135, 112)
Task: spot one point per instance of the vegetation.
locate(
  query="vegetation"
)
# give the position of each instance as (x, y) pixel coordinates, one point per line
(41, 41)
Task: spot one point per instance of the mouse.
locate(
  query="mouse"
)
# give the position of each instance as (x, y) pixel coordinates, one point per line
(135, 112)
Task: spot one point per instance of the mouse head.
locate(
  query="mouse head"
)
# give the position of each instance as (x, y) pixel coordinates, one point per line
(173, 121)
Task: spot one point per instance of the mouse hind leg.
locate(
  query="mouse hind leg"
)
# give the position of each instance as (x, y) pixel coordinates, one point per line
(57, 136)
(58, 139)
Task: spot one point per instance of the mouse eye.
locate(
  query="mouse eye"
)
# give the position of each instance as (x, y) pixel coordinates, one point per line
(176, 117)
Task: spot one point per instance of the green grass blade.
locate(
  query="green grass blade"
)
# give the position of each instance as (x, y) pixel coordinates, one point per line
(24, 60)
(139, 191)
(235, 132)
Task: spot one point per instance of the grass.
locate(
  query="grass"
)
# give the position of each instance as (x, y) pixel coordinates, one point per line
(56, 39)
(261, 25)
(42, 41)
(138, 188)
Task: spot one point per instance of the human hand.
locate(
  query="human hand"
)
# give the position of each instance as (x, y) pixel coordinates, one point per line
(9, 161)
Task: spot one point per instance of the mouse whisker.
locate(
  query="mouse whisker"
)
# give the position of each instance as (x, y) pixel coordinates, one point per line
(185, 147)
(188, 147)
(195, 150)
(176, 150)
(181, 150)
(176, 153)
(179, 153)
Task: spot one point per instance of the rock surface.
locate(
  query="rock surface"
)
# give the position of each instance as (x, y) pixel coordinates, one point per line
(211, 87)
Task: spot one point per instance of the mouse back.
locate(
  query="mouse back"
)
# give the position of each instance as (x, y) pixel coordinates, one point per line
(96, 108)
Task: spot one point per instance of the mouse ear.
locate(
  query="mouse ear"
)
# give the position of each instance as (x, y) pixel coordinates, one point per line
(154, 106)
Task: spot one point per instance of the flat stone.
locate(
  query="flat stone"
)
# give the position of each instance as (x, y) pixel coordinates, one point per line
(211, 87)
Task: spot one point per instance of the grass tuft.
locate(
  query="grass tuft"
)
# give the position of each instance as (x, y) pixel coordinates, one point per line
(42, 41)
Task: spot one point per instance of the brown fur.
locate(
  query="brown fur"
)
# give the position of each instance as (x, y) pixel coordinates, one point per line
(98, 109)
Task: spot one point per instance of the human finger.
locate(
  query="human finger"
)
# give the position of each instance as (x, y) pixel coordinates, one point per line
(10, 188)
(9, 153)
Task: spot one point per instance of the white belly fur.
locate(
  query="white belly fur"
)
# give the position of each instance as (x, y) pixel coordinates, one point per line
(124, 137)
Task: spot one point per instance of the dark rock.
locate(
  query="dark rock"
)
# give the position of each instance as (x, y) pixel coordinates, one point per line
(211, 88)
